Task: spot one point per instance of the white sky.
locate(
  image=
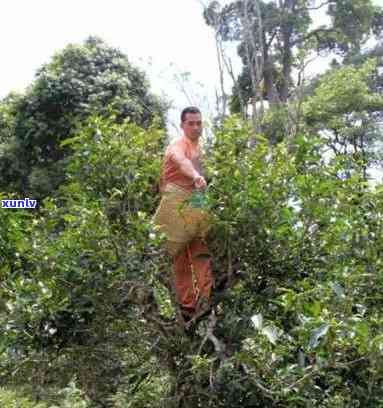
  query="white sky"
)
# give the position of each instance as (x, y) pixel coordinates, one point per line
(152, 33)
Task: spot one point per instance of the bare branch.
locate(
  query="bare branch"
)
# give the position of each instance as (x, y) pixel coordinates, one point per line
(267, 46)
(221, 76)
(314, 8)
(218, 345)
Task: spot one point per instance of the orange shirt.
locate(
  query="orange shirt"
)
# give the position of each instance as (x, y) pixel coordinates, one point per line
(170, 169)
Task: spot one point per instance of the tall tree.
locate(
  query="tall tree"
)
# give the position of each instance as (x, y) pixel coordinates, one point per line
(272, 33)
(92, 78)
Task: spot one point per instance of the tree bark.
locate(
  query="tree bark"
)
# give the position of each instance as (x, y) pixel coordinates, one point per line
(287, 29)
(256, 64)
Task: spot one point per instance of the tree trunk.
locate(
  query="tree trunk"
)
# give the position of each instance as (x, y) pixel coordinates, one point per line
(287, 29)
(256, 64)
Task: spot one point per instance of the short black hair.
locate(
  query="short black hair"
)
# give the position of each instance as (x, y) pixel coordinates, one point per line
(189, 109)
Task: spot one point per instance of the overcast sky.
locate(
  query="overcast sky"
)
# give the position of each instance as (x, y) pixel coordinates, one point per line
(167, 30)
(165, 38)
(153, 34)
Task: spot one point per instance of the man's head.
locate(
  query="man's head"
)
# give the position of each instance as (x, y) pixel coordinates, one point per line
(191, 123)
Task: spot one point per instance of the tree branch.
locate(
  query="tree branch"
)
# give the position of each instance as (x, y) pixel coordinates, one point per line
(314, 8)
(315, 33)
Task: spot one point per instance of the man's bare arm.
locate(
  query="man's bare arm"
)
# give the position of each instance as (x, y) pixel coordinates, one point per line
(185, 165)
(187, 168)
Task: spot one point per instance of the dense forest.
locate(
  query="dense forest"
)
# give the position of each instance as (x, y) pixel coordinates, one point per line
(87, 309)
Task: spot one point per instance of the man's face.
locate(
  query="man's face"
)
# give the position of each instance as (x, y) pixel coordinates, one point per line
(192, 126)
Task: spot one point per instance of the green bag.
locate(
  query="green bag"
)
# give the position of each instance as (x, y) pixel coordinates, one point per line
(198, 199)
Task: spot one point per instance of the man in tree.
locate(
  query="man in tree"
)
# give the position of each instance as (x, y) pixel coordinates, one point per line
(186, 225)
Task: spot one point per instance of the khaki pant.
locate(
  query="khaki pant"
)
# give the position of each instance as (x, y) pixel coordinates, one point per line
(185, 228)
(180, 222)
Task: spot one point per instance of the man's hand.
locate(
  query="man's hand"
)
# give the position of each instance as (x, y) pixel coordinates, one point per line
(199, 182)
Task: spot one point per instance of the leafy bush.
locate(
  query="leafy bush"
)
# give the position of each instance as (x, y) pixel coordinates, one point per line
(297, 259)
(11, 399)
